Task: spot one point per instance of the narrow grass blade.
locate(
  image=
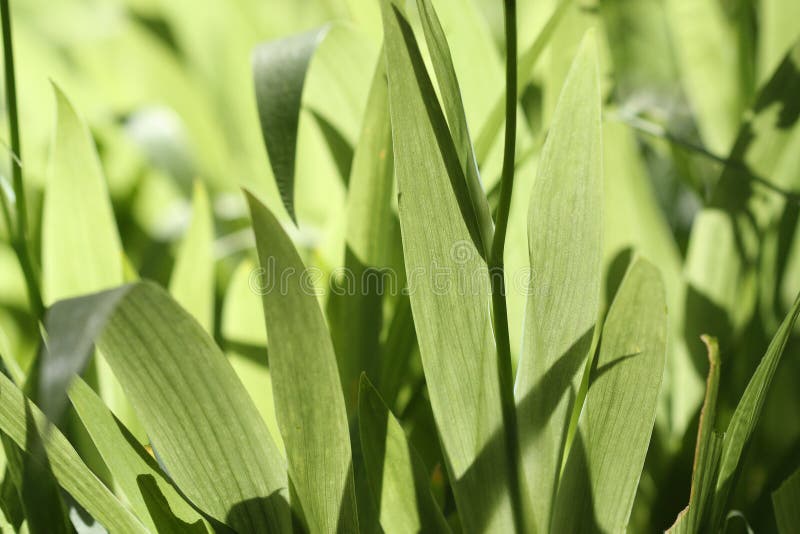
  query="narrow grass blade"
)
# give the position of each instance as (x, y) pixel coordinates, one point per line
(786, 502)
(456, 117)
(565, 250)
(279, 70)
(744, 420)
(707, 451)
(306, 386)
(449, 286)
(70, 471)
(193, 407)
(398, 479)
(605, 461)
(129, 463)
(192, 282)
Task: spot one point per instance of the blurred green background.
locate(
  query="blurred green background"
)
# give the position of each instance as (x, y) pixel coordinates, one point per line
(166, 87)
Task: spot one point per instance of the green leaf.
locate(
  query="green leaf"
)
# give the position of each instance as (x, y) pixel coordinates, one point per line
(129, 463)
(605, 461)
(306, 386)
(70, 236)
(355, 307)
(70, 471)
(744, 420)
(456, 117)
(192, 282)
(195, 410)
(81, 250)
(786, 501)
(449, 286)
(279, 70)
(565, 249)
(398, 479)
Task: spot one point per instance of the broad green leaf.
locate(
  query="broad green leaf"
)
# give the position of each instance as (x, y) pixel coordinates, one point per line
(306, 386)
(727, 236)
(605, 461)
(707, 451)
(449, 286)
(456, 118)
(279, 70)
(81, 250)
(129, 463)
(786, 502)
(565, 250)
(197, 414)
(70, 471)
(744, 420)
(192, 282)
(527, 61)
(779, 27)
(398, 479)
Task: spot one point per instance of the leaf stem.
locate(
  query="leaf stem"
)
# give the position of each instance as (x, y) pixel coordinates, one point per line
(20, 236)
(497, 274)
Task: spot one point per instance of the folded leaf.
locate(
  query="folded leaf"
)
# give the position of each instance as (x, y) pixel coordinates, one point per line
(279, 70)
(605, 461)
(308, 394)
(195, 410)
(565, 251)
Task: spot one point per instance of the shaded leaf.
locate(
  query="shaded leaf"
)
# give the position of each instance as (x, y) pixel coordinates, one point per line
(279, 70)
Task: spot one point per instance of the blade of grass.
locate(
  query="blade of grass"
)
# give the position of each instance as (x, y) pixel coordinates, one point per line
(744, 420)
(449, 287)
(565, 251)
(306, 386)
(70, 471)
(127, 460)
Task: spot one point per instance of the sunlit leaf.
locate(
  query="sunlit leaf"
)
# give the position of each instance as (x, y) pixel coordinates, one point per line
(306, 387)
(565, 248)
